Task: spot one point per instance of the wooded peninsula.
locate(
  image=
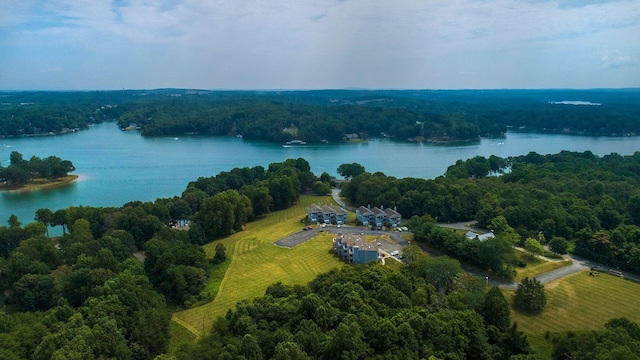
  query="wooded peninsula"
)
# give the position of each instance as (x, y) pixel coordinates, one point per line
(327, 116)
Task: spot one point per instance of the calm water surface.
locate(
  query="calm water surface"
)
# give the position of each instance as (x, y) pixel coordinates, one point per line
(116, 167)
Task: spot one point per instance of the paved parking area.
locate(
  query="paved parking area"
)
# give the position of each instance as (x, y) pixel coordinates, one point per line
(386, 247)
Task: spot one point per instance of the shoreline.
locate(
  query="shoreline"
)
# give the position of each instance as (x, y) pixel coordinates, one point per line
(40, 184)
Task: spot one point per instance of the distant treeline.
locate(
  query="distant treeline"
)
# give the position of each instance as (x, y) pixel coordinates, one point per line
(328, 115)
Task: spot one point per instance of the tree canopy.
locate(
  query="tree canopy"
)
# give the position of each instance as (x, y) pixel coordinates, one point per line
(21, 171)
(530, 296)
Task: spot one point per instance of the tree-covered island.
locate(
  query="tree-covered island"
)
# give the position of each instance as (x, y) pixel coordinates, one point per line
(35, 172)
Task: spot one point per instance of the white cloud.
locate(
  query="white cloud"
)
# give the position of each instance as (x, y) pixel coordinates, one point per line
(306, 44)
(615, 60)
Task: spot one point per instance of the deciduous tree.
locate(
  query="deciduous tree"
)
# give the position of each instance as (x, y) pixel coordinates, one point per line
(530, 296)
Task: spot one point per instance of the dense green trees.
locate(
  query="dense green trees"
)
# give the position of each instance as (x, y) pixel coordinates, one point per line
(495, 254)
(495, 309)
(20, 171)
(223, 204)
(322, 115)
(176, 267)
(587, 200)
(90, 302)
(619, 340)
(359, 312)
(111, 304)
(84, 286)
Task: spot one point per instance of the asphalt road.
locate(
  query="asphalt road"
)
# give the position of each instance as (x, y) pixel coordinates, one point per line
(335, 193)
(577, 264)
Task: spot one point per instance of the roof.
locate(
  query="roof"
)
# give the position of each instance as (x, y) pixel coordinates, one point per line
(377, 211)
(315, 208)
(481, 237)
(359, 241)
(391, 213)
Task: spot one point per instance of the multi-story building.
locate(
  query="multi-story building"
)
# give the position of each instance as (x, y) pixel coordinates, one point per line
(378, 216)
(354, 249)
(327, 214)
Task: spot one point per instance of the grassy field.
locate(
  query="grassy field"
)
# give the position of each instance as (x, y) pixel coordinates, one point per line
(579, 302)
(583, 302)
(179, 335)
(536, 266)
(257, 263)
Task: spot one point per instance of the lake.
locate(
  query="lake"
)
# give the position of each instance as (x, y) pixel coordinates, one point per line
(116, 167)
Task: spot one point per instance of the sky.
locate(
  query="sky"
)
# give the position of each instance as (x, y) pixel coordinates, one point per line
(320, 44)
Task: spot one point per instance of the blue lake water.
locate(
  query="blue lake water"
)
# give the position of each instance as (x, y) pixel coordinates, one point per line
(116, 167)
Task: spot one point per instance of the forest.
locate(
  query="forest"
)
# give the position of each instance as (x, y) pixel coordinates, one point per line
(588, 202)
(325, 116)
(84, 296)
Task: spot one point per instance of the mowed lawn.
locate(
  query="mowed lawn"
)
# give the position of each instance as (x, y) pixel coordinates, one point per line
(257, 263)
(536, 266)
(582, 302)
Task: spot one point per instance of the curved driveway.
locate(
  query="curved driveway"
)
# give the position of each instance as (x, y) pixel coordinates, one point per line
(335, 193)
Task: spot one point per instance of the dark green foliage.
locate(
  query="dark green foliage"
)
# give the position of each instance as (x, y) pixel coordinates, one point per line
(619, 340)
(20, 171)
(583, 198)
(495, 309)
(530, 296)
(223, 204)
(355, 313)
(220, 254)
(350, 170)
(495, 254)
(321, 188)
(323, 114)
(176, 267)
(442, 272)
(559, 245)
(34, 292)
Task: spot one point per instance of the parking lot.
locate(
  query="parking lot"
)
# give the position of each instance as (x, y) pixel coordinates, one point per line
(386, 247)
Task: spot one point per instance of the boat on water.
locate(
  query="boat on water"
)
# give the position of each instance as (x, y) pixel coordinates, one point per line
(296, 142)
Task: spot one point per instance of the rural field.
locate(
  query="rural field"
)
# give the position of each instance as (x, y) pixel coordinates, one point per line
(257, 263)
(579, 302)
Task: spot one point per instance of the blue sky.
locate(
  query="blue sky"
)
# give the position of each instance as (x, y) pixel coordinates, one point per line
(298, 44)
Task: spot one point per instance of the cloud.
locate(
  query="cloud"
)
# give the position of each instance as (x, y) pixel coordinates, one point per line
(355, 43)
(615, 60)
